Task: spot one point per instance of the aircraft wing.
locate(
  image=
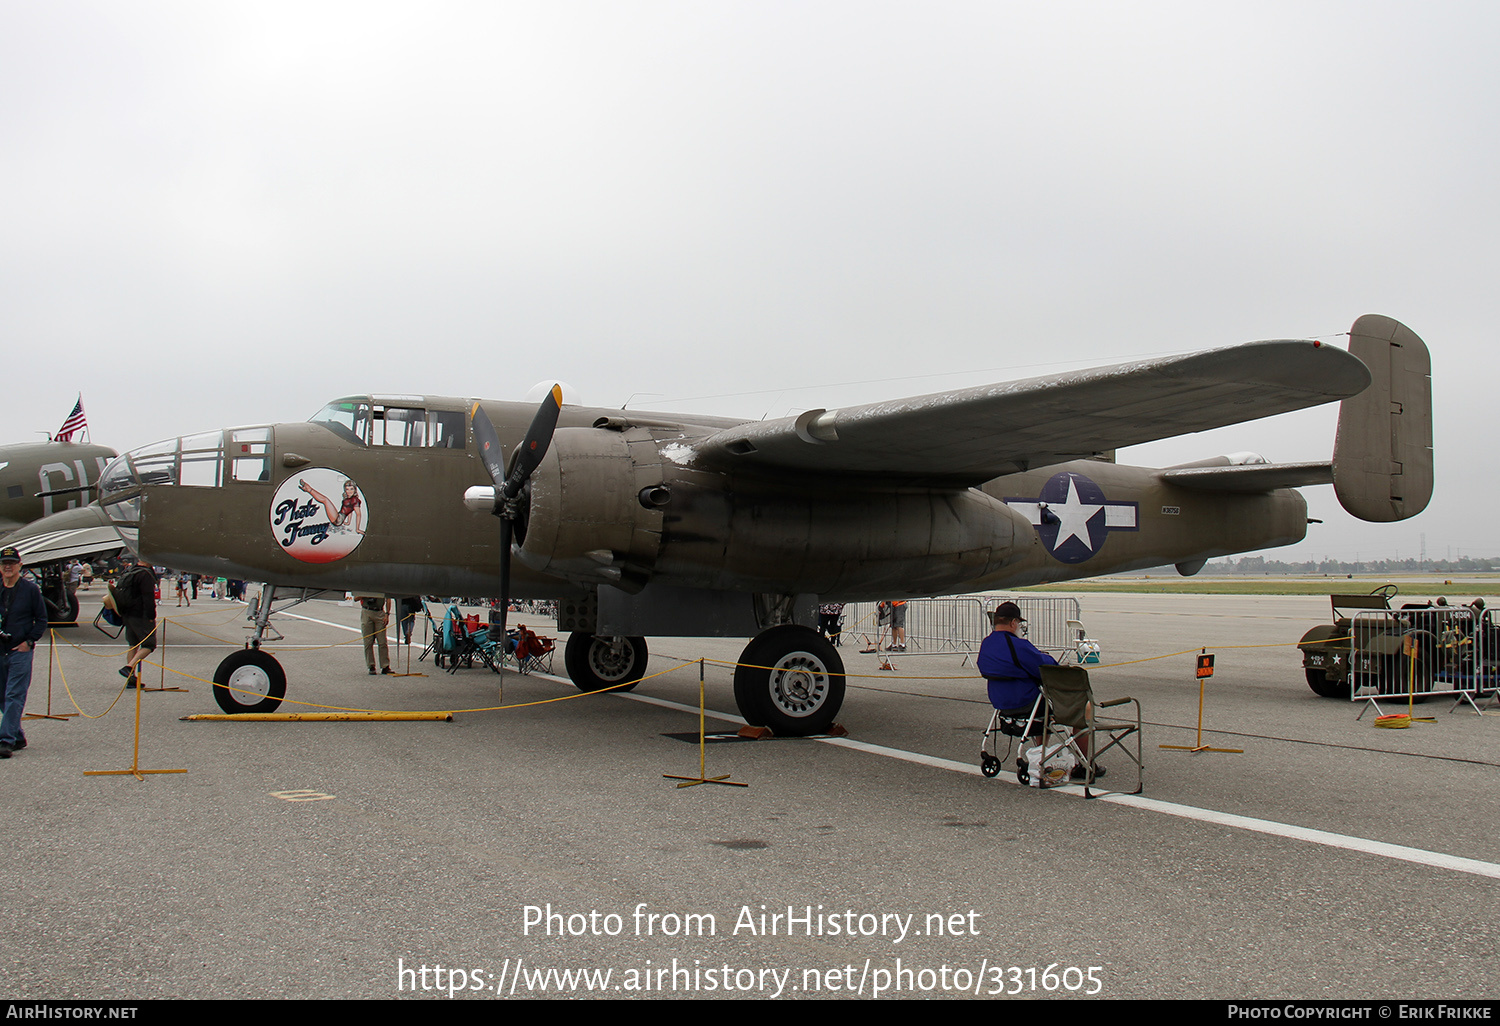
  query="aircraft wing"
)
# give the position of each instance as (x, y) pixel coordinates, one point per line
(968, 436)
(73, 533)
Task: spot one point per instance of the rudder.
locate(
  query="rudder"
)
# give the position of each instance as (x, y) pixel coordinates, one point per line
(1382, 456)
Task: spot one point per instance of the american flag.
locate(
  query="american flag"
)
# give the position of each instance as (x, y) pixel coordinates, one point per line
(75, 423)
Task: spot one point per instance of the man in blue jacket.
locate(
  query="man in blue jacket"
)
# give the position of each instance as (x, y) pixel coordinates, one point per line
(23, 621)
(1011, 664)
(1013, 668)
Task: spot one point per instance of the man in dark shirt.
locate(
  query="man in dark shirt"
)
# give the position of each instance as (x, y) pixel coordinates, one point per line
(138, 588)
(23, 621)
(1011, 664)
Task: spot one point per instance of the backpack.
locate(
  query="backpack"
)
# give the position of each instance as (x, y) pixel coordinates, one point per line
(123, 593)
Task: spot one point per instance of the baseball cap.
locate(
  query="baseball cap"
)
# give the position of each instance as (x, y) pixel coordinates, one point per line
(10, 554)
(1008, 611)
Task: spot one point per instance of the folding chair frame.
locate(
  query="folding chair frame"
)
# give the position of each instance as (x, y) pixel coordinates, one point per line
(1070, 714)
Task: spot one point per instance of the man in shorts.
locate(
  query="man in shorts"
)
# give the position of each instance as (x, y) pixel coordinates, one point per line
(135, 597)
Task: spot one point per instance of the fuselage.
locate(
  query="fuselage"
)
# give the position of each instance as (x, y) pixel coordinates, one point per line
(31, 468)
(368, 497)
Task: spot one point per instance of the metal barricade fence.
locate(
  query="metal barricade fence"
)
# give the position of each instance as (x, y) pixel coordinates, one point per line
(958, 623)
(1434, 650)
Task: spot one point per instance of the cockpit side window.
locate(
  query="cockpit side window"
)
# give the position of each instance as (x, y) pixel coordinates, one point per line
(250, 454)
(397, 425)
(446, 429)
(346, 418)
(202, 460)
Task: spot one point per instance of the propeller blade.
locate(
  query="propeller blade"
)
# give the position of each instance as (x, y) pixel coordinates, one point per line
(490, 450)
(538, 439)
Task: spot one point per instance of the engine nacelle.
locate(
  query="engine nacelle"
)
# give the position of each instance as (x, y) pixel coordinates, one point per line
(585, 518)
(621, 503)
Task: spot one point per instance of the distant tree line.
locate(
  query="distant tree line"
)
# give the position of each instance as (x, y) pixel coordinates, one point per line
(1262, 565)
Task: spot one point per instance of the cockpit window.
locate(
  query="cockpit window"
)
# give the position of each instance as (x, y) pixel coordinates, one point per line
(395, 425)
(445, 429)
(347, 418)
(249, 455)
(202, 458)
(367, 422)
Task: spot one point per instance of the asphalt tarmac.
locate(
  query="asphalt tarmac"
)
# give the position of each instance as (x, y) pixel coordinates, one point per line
(539, 851)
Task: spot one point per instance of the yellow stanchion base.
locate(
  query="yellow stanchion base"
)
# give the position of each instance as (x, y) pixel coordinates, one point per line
(690, 781)
(1203, 748)
(137, 773)
(331, 717)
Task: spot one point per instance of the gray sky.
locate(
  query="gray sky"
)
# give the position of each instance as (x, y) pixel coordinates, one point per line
(223, 213)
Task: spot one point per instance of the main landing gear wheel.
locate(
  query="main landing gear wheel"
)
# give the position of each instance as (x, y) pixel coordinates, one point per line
(596, 662)
(257, 680)
(791, 680)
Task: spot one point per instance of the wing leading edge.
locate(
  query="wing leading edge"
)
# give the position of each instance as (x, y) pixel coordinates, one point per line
(965, 437)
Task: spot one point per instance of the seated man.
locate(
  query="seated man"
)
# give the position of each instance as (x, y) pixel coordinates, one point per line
(1012, 666)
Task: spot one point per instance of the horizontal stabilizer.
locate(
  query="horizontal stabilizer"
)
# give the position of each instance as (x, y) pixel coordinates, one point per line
(1382, 458)
(1253, 477)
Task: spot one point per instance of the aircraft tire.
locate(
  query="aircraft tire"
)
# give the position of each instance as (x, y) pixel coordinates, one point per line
(791, 680)
(593, 664)
(1323, 687)
(252, 673)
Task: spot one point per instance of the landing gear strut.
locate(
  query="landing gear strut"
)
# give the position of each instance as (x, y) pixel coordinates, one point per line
(252, 681)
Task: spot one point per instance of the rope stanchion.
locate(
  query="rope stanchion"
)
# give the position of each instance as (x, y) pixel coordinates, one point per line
(702, 749)
(1204, 671)
(51, 657)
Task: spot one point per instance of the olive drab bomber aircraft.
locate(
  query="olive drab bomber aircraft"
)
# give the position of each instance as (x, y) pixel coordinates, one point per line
(654, 524)
(38, 482)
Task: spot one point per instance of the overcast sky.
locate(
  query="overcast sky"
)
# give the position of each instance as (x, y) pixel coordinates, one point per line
(229, 213)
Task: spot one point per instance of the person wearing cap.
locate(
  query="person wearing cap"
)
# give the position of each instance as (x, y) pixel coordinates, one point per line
(1010, 664)
(23, 621)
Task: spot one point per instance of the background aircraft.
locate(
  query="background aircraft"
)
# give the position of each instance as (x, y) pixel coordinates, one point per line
(647, 524)
(40, 479)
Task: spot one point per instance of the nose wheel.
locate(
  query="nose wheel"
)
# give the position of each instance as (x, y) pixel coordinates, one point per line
(249, 681)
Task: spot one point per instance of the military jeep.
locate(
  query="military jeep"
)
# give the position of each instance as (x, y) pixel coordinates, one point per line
(1393, 652)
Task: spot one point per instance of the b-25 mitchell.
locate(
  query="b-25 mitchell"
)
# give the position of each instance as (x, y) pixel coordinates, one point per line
(655, 524)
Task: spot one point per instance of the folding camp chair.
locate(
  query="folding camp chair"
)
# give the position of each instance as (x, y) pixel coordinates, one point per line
(1070, 722)
(532, 652)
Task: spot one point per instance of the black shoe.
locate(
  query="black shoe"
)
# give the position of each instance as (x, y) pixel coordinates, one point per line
(372, 671)
(131, 683)
(18, 745)
(1082, 772)
(386, 670)
(5, 751)
(125, 671)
